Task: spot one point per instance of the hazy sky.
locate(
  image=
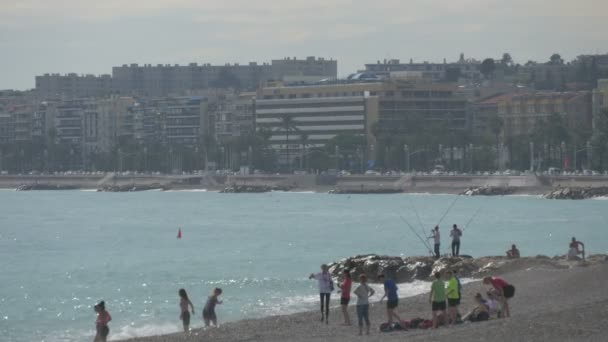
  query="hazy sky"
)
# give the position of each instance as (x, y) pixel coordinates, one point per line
(91, 36)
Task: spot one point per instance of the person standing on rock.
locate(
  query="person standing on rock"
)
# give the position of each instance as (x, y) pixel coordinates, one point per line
(455, 233)
(502, 290)
(345, 286)
(392, 298)
(326, 286)
(437, 238)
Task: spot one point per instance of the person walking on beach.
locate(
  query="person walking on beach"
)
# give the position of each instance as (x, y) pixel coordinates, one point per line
(513, 253)
(209, 315)
(455, 233)
(502, 290)
(184, 303)
(392, 298)
(101, 324)
(453, 294)
(345, 287)
(363, 292)
(574, 250)
(326, 286)
(437, 238)
(437, 298)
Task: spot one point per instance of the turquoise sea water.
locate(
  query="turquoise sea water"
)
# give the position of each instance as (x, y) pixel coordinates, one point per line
(62, 251)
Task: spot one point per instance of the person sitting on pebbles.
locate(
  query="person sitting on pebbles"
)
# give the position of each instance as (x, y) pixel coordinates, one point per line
(574, 250)
(513, 253)
(480, 312)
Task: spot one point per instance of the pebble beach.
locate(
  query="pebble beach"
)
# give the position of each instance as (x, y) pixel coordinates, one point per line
(566, 303)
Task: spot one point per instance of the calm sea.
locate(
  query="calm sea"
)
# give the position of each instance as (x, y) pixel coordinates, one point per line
(62, 251)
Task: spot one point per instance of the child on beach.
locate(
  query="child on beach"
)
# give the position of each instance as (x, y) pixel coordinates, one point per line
(209, 310)
(437, 298)
(363, 292)
(101, 324)
(345, 287)
(184, 302)
(326, 286)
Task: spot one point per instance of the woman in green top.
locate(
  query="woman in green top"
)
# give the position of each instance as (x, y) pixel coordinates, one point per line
(437, 298)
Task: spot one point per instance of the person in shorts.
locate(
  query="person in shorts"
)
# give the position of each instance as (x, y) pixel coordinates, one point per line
(437, 298)
(392, 298)
(503, 292)
(453, 295)
(363, 292)
(209, 315)
(345, 287)
(101, 324)
(184, 303)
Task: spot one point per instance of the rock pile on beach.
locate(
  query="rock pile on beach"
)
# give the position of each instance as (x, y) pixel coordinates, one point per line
(488, 191)
(577, 193)
(409, 269)
(131, 188)
(237, 189)
(365, 191)
(36, 186)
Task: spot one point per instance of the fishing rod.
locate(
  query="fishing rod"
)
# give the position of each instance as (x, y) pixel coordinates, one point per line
(447, 211)
(416, 233)
(471, 219)
(428, 245)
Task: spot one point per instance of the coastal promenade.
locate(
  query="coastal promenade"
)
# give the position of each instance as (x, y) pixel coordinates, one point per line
(527, 184)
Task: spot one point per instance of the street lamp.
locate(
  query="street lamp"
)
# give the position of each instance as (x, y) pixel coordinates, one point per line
(406, 151)
(145, 158)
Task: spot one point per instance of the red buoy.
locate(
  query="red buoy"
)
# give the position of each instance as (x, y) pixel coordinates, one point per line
(179, 233)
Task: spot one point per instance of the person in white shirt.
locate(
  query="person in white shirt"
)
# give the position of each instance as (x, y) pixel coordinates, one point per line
(325, 289)
(363, 292)
(437, 238)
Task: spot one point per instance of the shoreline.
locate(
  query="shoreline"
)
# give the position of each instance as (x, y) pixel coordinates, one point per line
(346, 185)
(535, 316)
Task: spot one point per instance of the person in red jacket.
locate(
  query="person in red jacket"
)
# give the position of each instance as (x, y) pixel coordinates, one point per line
(503, 291)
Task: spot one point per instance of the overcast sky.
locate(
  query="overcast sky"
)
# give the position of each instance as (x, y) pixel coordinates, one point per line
(88, 36)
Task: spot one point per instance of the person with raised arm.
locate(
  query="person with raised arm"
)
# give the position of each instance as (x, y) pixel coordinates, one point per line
(326, 285)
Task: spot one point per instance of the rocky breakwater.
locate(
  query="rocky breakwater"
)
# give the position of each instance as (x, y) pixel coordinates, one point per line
(131, 188)
(237, 189)
(365, 191)
(577, 193)
(488, 191)
(36, 186)
(409, 269)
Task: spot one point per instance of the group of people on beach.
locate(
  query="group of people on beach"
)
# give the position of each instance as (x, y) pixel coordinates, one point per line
(444, 298)
(185, 305)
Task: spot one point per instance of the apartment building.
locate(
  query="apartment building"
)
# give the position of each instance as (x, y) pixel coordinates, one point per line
(521, 112)
(405, 103)
(310, 116)
(304, 71)
(49, 86)
(233, 114)
(599, 99)
(436, 72)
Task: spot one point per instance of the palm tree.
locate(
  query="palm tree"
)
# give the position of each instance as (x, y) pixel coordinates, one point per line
(288, 124)
(304, 142)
